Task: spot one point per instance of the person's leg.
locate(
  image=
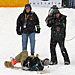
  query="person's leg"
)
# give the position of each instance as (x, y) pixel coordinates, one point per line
(22, 55)
(18, 57)
(64, 52)
(32, 42)
(24, 41)
(53, 52)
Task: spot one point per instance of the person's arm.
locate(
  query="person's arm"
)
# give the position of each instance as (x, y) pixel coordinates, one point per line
(18, 27)
(37, 23)
(49, 20)
(64, 22)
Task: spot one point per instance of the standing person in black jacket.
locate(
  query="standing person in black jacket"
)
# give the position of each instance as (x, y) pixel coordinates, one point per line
(57, 22)
(27, 26)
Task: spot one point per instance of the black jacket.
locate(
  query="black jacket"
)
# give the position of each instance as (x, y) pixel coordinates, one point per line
(31, 22)
(33, 63)
(55, 23)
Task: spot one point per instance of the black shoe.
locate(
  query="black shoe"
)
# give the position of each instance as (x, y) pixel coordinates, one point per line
(67, 63)
(52, 63)
(32, 53)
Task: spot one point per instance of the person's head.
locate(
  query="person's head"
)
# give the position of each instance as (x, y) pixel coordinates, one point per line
(45, 62)
(57, 15)
(28, 8)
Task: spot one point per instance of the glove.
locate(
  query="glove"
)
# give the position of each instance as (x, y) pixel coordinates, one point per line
(48, 25)
(51, 21)
(19, 33)
(38, 30)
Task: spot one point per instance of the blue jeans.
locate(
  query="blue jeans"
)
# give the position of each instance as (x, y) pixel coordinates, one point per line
(25, 41)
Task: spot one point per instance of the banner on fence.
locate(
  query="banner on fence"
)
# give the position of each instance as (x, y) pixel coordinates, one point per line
(46, 3)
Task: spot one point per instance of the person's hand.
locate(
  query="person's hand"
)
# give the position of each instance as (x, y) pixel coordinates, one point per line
(51, 21)
(19, 33)
(38, 30)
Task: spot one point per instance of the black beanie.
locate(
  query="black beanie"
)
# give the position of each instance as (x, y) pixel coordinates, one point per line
(56, 11)
(28, 6)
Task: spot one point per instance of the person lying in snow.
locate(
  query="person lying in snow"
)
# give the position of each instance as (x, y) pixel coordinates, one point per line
(33, 63)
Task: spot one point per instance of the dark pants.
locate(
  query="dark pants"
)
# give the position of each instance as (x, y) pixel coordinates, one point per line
(53, 44)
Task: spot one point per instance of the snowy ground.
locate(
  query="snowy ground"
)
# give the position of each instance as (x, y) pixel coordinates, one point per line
(10, 42)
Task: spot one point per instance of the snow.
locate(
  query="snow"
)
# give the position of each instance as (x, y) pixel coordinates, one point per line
(11, 45)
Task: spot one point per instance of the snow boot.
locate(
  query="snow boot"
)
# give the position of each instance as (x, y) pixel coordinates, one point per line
(37, 55)
(11, 63)
(52, 63)
(8, 64)
(66, 63)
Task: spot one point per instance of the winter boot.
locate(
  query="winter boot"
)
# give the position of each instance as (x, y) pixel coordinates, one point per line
(37, 55)
(8, 64)
(66, 63)
(53, 61)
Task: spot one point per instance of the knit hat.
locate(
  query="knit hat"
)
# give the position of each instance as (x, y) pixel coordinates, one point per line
(56, 11)
(45, 62)
(28, 6)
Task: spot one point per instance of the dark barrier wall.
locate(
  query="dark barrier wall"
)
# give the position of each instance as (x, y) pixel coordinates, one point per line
(68, 3)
